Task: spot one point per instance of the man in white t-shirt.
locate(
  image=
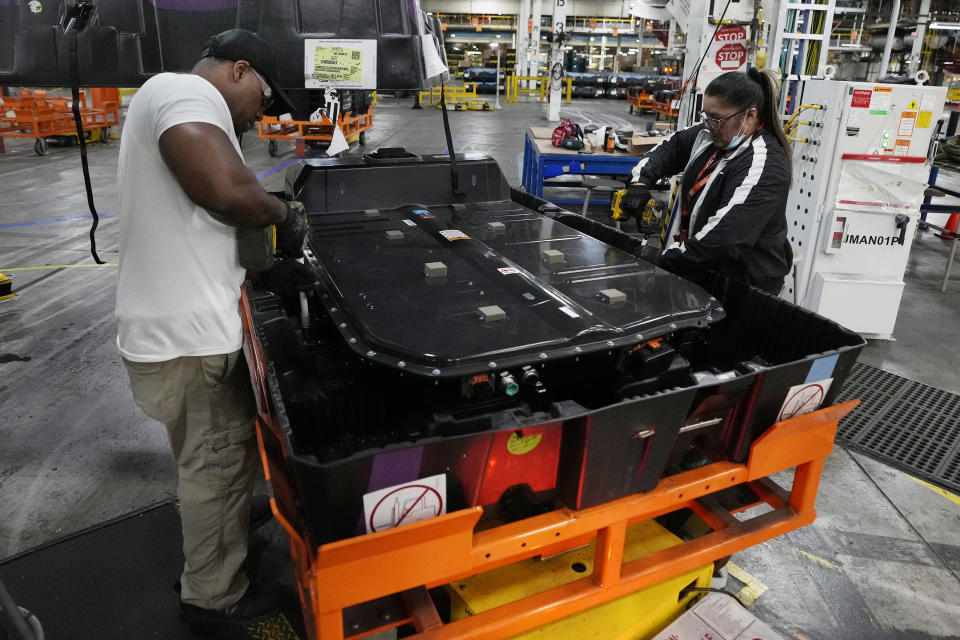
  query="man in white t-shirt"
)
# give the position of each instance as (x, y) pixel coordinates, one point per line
(184, 191)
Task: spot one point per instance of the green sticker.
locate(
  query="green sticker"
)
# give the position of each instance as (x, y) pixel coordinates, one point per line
(875, 112)
(519, 445)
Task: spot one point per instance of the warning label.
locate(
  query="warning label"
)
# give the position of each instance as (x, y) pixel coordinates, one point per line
(731, 57)
(405, 503)
(731, 33)
(908, 120)
(804, 398)
(861, 98)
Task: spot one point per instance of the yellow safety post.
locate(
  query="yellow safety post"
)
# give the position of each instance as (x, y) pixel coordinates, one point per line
(538, 89)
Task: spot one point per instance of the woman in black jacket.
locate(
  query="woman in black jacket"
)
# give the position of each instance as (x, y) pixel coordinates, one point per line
(736, 175)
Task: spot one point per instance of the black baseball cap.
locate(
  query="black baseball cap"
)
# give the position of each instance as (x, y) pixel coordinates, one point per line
(240, 44)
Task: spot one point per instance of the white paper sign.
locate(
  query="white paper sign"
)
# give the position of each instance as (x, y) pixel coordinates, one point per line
(340, 64)
(804, 398)
(405, 503)
(338, 143)
(432, 62)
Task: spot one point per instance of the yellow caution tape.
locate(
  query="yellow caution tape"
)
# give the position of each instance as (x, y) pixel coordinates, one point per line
(752, 589)
(821, 561)
(952, 497)
(61, 266)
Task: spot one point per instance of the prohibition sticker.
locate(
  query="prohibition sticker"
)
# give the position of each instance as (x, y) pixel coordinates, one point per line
(804, 398)
(405, 503)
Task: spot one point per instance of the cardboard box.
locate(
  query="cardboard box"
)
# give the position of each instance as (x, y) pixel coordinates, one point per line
(717, 617)
(640, 144)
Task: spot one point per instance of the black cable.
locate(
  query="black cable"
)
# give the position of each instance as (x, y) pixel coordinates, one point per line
(454, 175)
(696, 69)
(78, 121)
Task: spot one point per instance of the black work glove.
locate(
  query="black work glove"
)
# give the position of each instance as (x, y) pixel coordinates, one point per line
(292, 232)
(289, 277)
(651, 254)
(635, 199)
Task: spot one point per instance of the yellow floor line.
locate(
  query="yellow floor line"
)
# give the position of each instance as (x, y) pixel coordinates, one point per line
(59, 266)
(821, 561)
(752, 589)
(952, 497)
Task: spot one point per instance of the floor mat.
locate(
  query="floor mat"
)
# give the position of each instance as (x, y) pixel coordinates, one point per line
(909, 425)
(116, 581)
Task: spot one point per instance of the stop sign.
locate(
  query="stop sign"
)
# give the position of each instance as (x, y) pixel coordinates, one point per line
(731, 57)
(731, 33)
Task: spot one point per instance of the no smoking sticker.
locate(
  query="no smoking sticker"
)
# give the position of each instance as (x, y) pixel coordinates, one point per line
(804, 398)
(405, 503)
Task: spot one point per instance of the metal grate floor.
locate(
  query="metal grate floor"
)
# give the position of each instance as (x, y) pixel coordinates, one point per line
(909, 425)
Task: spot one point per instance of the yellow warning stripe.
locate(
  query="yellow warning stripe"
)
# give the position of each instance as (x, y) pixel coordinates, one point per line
(952, 497)
(59, 266)
(821, 561)
(752, 589)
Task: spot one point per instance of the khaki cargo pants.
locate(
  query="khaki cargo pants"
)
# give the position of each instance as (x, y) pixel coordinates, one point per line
(207, 405)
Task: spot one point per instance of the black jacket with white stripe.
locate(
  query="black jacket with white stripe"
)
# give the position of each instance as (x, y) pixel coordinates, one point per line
(738, 225)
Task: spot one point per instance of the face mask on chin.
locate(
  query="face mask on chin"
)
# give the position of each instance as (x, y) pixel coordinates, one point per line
(737, 139)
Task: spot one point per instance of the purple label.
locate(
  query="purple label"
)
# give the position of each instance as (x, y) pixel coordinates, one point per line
(395, 467)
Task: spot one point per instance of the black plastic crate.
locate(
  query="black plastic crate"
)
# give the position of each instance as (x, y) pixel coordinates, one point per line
(352, 421)
(130, 40)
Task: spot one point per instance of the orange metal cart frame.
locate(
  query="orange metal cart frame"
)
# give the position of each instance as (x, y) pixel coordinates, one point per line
(274, 129)
(665, 109)
(641, 100)
(430, 553)
(35, 115)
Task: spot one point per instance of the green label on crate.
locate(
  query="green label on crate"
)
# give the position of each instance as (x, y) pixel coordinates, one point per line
(877, 112)
(519, 445)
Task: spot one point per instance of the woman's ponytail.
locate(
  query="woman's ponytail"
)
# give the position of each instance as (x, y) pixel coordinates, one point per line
(769, 112)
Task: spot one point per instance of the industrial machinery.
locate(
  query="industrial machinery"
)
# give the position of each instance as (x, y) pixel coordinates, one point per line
(478, 348)
(486, 322)
(859, 159)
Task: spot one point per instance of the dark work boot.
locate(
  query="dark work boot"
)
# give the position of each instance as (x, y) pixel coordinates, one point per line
(258, 603)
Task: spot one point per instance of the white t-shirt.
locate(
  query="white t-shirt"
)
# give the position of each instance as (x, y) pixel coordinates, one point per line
(180, 277)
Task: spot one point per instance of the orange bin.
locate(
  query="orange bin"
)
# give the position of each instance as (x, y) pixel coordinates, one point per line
(423, 555)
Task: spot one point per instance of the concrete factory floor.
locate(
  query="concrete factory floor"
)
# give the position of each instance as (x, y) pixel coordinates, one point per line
(882, 560)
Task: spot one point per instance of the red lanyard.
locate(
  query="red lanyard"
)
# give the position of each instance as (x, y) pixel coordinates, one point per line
(701, 178)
